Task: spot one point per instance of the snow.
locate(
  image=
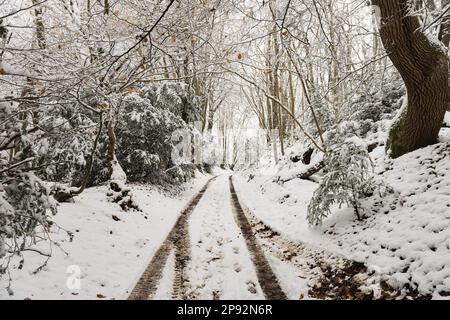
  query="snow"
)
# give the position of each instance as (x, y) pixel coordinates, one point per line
(294, 283)
(447, 118)
(266, 199)
(117, 175)
(110, 255)
(164, 290)
(220, 261)
(405, 239)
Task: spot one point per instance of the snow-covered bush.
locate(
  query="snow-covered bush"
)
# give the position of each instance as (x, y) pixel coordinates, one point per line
(24, 198)
(6, 216)
(143, 122)
(68, 143)
(322, 114)
(376, 104)
(348, 176)
(144, 135)
(24, 204)
(175, 97)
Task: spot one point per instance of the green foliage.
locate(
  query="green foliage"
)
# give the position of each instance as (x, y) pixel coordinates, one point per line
(144, 141)
(144, 122)
(394, 145)
(67, 145)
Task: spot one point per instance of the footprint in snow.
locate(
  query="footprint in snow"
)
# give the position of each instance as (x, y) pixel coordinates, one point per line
(251, 287)
(216, 294)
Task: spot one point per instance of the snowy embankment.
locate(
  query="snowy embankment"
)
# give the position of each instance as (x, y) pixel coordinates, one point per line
(404, 239)
(110, 248)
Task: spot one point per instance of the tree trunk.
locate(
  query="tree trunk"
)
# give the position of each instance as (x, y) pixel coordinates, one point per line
(210, 119)
(111, 153)
(39, 23)
(291, 98)
(444, 35)
(424, 68)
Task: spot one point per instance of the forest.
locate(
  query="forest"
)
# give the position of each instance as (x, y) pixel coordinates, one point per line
(224, 149)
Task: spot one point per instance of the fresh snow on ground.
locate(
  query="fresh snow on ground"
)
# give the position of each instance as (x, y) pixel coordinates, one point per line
(405, 237)
(220, 265)
(165, 287)
(110, 247)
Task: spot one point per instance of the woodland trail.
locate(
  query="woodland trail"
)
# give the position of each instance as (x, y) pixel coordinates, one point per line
(216, 255)
(220, 250)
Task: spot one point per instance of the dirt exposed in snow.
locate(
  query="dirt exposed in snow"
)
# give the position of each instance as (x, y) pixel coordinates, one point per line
(220, 265)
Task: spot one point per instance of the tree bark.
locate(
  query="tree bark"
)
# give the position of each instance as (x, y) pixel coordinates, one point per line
(90, 164)
(423, 66)
(444, 36)
(111, 155)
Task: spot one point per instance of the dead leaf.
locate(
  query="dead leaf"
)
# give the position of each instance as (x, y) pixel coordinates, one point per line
(104, 105)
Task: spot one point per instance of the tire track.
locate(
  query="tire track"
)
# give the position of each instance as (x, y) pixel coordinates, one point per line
(177, 238)
(182, 245)
(266, 277)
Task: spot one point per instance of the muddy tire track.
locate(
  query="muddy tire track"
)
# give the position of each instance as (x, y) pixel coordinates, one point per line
(266, 277)
(177, 238)
(182, 246)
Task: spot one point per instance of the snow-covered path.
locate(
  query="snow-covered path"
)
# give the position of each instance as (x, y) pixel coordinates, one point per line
(220, 265)
(211, 253)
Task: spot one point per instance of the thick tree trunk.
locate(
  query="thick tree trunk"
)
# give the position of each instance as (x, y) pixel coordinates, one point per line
(444, 36)
(424, 68)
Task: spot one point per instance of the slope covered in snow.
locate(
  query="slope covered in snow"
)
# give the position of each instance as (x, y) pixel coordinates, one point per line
(404, 238)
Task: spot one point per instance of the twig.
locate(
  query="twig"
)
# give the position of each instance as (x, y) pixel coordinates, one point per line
(17, 164)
